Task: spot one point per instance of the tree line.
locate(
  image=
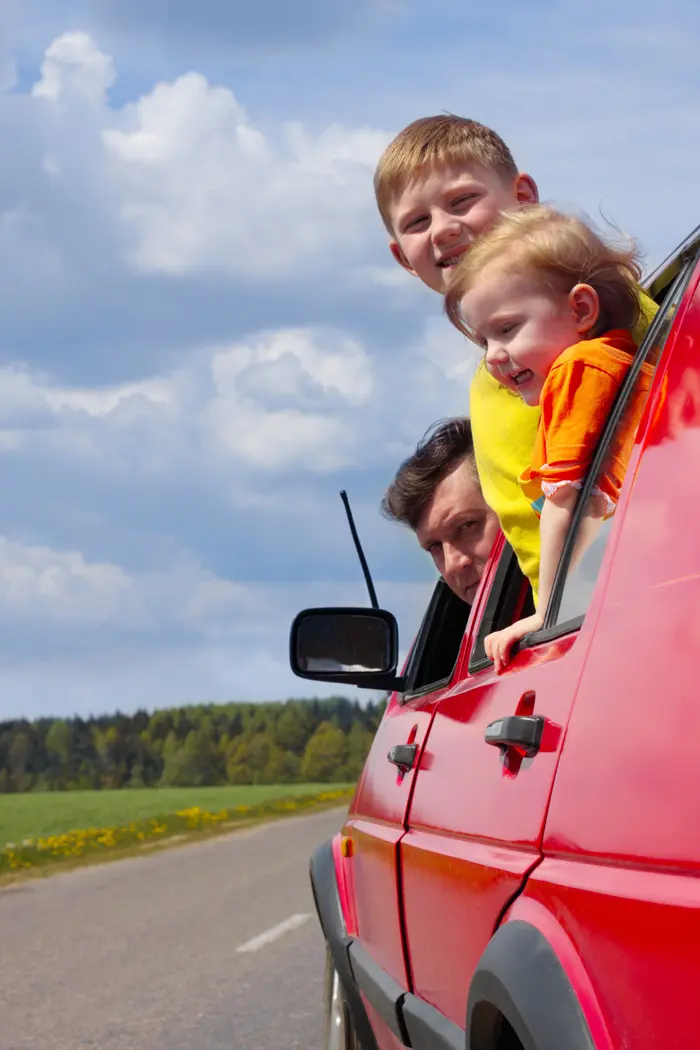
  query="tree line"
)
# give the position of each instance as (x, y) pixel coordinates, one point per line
(293, 741)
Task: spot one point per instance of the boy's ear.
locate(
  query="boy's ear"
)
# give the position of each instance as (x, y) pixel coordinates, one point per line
(401, 259)
(585, 305)
(526, 191)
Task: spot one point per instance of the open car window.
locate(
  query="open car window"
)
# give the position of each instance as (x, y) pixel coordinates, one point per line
(510, 595)
(434, 654)
(509, 599)
(575, 584)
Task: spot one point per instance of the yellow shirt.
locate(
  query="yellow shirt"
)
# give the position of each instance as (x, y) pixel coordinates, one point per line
(504, 430)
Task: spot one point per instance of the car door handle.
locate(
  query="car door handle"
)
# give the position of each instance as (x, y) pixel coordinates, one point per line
(403, 755)
(521, 731)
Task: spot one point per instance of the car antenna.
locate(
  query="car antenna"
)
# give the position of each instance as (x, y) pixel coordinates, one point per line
(360, 552)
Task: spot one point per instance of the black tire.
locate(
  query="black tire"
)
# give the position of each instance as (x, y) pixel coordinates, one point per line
(338, 1029)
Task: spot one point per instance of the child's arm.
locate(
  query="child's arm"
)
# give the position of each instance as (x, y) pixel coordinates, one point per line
(555, 521)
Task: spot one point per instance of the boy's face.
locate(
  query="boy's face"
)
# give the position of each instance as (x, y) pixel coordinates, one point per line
(439, 214)
(524, 326)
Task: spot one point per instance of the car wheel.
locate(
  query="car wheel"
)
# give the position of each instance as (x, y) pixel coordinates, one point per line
(339, 1031)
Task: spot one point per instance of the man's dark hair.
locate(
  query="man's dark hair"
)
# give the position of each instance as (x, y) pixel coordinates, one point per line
(441, 449)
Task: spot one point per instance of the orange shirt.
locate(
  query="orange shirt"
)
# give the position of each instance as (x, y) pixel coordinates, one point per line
(575, 402)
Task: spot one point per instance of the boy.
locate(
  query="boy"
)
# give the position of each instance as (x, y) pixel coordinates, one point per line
(440, 184)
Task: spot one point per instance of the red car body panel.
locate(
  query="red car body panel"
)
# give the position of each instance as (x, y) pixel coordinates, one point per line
(476, 822)
(636, 934)
(376, 822)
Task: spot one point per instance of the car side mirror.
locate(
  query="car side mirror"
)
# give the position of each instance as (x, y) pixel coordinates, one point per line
(354, 646)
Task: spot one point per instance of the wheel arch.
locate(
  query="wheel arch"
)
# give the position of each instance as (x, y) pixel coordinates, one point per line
(521, 977)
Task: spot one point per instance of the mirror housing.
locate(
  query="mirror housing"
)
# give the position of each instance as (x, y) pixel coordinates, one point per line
(348, 645)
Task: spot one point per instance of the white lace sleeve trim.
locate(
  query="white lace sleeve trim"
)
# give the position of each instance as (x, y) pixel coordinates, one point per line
(550, 487)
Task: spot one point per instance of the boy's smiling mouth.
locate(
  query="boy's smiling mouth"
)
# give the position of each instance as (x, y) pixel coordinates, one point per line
(446, 262)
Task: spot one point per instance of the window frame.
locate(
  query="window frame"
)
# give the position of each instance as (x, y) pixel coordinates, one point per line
(441, 602)
(668, 283)
(674, 290)
(501, 608)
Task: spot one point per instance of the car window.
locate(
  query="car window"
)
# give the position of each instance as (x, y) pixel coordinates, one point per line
(572, 596)
(510, 595)
(509, 599)
(438, 642)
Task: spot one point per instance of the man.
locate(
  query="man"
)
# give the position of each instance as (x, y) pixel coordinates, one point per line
(436, 492)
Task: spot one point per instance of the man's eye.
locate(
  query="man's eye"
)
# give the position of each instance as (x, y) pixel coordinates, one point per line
(466, 525)
(508, 327)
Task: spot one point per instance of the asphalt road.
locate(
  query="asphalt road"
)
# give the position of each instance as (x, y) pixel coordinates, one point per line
(145, 953)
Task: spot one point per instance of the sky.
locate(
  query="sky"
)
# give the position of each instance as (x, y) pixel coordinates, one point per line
(203, 337)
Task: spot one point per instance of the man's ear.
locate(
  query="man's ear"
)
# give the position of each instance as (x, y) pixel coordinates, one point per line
(401, 259)
(585, 305)
(526, 191)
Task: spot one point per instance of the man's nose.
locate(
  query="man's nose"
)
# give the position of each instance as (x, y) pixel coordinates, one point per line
(455, 559)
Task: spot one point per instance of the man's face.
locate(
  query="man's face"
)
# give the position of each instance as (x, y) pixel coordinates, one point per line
(458, 530)
(439, 214)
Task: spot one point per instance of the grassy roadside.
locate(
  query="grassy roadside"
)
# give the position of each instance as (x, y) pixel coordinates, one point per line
(38, 814)
(47, 855)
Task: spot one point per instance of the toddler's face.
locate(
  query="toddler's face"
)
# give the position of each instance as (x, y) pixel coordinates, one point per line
(522, 326)
(439, 215)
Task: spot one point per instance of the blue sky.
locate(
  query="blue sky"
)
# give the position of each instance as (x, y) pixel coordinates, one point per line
(202, 334)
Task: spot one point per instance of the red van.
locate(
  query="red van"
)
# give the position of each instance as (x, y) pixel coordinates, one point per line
(520, 865)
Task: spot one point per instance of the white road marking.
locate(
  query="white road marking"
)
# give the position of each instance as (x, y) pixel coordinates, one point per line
(292, 923)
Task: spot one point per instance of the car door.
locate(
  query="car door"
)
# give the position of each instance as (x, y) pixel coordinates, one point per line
(478, 810)
(376, 817)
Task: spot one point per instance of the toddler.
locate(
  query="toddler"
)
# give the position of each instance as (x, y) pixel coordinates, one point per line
(552, 305)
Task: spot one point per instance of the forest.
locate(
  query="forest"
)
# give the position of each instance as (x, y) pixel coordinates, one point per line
(293, 741)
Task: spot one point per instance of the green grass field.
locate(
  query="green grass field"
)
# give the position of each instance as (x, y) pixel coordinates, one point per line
(56, 812)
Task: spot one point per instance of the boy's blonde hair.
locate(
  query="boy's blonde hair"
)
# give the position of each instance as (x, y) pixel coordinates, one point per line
(562, 251)
(446, 139)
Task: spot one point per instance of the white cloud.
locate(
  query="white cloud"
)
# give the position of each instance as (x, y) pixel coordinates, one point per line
(330, 359)
(199, 186)
(42, 583)
(289, 398)
(280, 440)
(182, 182)
(103, 401)
(287, 368)
(30, 397)
(307, 400)
(74, 66)
(62, 586)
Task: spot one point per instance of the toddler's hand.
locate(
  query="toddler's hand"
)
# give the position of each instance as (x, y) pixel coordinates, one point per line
(499, 644)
